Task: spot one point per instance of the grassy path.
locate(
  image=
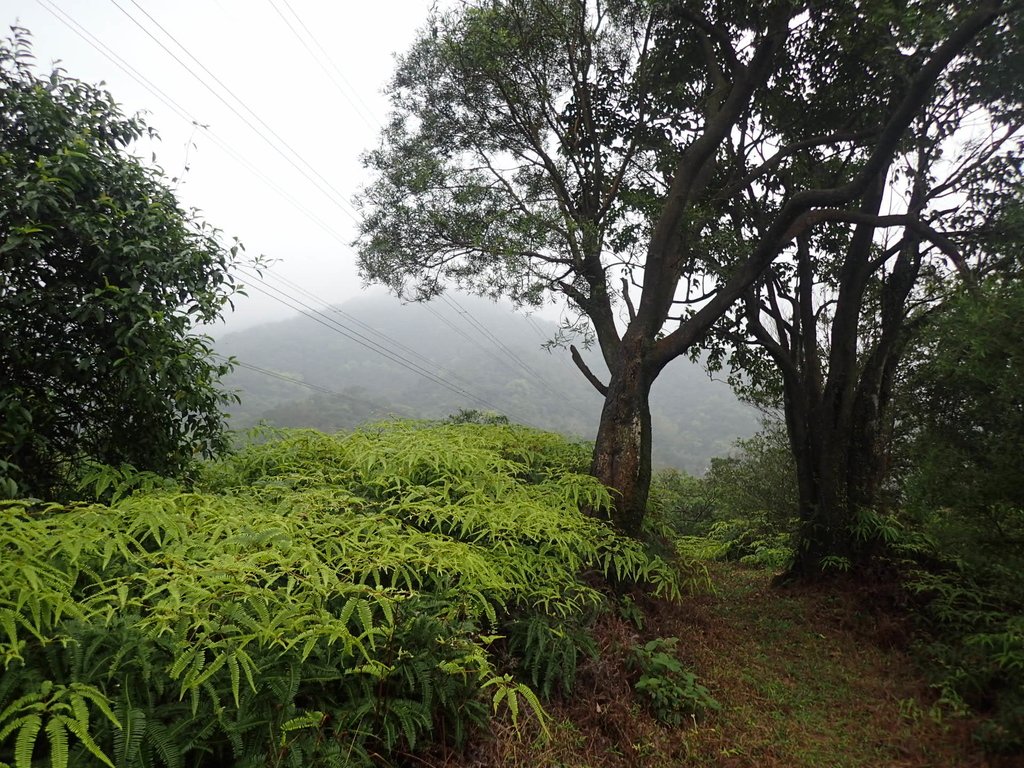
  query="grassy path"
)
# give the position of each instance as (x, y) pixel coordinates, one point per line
(805, 679)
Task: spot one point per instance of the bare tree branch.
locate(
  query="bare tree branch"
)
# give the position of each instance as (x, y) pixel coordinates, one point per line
(589, 374)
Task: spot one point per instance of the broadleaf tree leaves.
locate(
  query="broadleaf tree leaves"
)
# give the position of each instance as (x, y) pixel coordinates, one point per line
(103, 281)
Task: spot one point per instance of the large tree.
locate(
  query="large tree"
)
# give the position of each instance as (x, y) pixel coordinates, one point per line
(828, 325)
(590, 150)
(103, 281)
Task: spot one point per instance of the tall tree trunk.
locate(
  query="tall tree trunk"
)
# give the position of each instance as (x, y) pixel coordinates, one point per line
(622, 451)
(839, 473)
(824, 528)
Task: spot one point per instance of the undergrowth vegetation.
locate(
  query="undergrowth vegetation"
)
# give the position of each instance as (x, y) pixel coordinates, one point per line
(314, 600)
(951, 563)
(742, 510)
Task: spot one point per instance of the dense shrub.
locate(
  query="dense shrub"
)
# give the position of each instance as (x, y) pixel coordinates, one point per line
(315, 601)
(964, 489)
(106, 283)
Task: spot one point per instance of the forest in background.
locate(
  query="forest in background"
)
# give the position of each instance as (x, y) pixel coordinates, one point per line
(695, 417)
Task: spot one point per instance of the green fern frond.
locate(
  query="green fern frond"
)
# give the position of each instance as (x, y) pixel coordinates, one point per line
(25, 742)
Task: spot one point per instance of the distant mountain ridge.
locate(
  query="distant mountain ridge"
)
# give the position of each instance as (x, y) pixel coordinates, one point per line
(457, 353)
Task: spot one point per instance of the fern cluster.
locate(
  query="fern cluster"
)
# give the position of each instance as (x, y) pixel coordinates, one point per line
(317, 600)
(739, 541)
(973, 644)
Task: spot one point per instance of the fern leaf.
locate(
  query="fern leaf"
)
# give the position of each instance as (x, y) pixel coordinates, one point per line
(128, 739)
(79, 708)
(83, 735)
(513, 705)
(30, 702)
(57, 735)
(534, 703)
(98, 699)
(182, 661)
(366, 619)
(232, 662)
(9, 626)
(167, 747)
(306, 720)
(26, 741)
(405, 717)
(202, 672)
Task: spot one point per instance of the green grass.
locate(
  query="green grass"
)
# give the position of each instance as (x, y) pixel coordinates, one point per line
(805, 680)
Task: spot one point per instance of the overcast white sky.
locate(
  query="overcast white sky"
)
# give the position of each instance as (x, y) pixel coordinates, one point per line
(325, 104)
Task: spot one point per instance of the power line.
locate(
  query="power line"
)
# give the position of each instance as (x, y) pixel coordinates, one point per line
(501, 345)
(370, 329)
(182, 113)
(365, 326)
(470, 339)
(331, 192)
(317, 316)
(330, 61)
(479, 328)
(319, 61)
(380, 334)
(536, 327)
(315, 387)
(490, 350)
(463, 334)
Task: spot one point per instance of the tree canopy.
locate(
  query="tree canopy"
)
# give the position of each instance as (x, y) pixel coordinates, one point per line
(602, 151)
(104, 279)
(825, 331)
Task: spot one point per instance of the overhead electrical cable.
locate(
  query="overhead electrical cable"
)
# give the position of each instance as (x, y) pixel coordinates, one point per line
(490, 350)
(329, 190)
(68, 21)
(296, 304)
(330, 61)
(536, 327)
(487, 333)
(312, 168)
(359, 323)
(391, 341)
(315, 387)
(472, 340)
(482, 329)
(337, 198)
(363, 341)
(319, 60)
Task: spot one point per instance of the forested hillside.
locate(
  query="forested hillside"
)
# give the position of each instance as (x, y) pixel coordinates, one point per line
(468, 559)
(695, 418)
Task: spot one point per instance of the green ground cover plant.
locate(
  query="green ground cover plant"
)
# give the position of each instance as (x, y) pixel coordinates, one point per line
(668, 688)
(314, 600)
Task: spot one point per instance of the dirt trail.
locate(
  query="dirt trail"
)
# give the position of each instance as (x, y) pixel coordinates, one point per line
(806, 678)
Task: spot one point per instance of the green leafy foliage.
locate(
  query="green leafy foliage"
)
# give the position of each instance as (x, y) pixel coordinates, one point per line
(103, 282)
(743, 510)
(550, 652)
(741, 541)
(757, 482)
(964, 492)
(973, 644)
(669, 689)
(317, 600)
(679, 501)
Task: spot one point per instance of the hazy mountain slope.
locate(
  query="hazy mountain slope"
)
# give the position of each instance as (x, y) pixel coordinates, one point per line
(694, 418)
